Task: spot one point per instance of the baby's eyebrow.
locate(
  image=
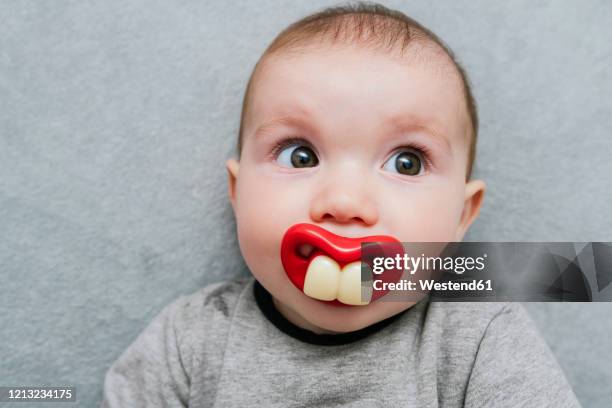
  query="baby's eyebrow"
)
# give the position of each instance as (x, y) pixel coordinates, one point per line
(289, 121)
(411, 123)
(397, 124)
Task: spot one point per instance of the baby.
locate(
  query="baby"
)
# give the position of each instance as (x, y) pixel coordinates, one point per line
(357, 125)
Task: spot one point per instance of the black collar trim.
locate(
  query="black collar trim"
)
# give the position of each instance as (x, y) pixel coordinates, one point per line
(266, 305)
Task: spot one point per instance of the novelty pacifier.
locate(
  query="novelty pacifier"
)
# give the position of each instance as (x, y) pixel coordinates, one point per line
(328, 267)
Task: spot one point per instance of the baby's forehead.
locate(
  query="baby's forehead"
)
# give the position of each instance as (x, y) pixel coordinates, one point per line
(386, 63)
(424, 52)
(386, 79)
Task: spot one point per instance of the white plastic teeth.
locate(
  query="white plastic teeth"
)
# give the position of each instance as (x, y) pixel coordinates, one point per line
(326, 281)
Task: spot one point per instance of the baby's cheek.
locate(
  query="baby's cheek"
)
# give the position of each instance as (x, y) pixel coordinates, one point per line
(265, 209)
(427, 216)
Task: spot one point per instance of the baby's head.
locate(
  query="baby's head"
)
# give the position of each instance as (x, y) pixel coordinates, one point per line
(360, 121)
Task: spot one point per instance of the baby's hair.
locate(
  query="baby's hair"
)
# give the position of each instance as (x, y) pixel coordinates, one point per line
(369, 24)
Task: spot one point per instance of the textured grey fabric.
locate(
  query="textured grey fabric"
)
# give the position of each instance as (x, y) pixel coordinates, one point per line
(216, 348)
(116, 118)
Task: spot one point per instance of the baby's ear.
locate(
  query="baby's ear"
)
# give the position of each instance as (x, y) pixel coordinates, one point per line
(474, 196)
(232, 166)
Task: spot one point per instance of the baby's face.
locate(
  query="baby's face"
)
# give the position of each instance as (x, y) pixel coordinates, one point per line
(357, 142)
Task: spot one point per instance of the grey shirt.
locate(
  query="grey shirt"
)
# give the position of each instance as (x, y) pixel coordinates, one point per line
(223, 347)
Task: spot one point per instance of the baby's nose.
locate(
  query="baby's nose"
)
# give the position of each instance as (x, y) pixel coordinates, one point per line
(344, 201)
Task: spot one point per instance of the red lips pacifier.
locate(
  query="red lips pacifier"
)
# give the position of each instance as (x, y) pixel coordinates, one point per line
(327, 267)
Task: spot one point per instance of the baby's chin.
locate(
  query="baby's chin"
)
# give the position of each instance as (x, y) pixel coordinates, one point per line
(323, 317)
(358, 317)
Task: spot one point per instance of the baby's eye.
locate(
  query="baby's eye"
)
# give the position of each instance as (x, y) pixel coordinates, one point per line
(297, 156)
(407, 162)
